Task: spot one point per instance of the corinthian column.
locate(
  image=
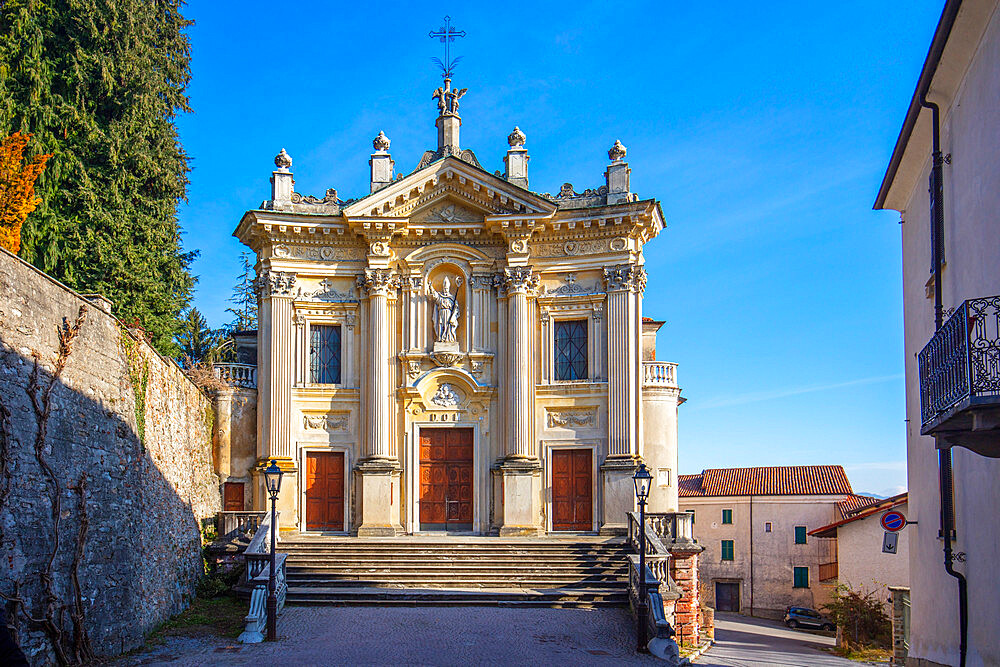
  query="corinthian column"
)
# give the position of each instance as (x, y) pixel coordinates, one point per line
(379, 468)
(377, 283)
(519, 281)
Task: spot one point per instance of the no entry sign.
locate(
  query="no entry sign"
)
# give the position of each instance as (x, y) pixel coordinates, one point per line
(893, 521)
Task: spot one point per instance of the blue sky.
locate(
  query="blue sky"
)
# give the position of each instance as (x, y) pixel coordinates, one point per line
(763, 128)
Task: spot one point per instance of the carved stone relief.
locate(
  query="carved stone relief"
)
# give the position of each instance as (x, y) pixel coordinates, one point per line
(446, 396)
(325, 422)
(571, 418)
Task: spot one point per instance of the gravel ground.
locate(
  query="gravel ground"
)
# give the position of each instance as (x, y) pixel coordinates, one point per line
(420, 636)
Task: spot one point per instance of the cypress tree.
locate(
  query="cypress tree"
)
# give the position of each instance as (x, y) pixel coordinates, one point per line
(99, 83)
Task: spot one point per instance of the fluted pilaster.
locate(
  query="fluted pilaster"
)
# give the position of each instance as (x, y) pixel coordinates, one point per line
(624, 283)
(277, 374)
(519, 282)
(378, 433)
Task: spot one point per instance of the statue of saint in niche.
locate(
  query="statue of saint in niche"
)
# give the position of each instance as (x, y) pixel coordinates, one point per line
(446, 312)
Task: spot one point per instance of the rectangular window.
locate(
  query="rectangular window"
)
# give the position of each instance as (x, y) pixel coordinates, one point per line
(800, 534)
(571, 350)
(800, 577)
(324, 354)
(727, 516)
(727, 550)
(767, 526)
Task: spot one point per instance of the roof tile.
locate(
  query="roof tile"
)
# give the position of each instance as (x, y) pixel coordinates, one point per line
(769, 481)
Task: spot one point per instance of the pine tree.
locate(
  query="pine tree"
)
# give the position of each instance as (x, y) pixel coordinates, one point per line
(244, 298)
(99, 84)
(17, 188)
(197, 342)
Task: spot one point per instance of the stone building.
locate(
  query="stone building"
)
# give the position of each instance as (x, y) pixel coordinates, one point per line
(455, 352)
(944, 180)
(754, 525)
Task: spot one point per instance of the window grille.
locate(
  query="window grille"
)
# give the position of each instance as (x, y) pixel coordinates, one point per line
(324, 354)
(571, 350)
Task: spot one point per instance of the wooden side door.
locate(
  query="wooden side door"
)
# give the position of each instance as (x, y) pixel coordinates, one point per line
(325, 491)
(572, 490)
(232, 497)
(446, 500)
(727, 596)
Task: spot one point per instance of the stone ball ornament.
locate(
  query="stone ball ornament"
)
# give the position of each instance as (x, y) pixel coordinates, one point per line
(283, 160)
(516, 138)
(381, 142)
(617, 151)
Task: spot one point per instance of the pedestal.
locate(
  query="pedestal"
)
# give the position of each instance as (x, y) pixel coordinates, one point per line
(619, 493)
(379, 498)
(522, 488)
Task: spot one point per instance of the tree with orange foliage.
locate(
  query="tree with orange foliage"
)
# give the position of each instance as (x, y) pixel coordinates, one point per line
(17, 188)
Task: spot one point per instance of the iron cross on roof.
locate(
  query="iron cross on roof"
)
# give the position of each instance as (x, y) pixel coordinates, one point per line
(447, 35)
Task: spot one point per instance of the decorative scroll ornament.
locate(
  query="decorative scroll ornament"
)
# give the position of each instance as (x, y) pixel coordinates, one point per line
(482, 280)
(519, 279)
(617, 151)
(329, 198)
(571, 287)
(378, 281)
(446, 396)
(570, 419)
(325, 422)
(566, 190)
(516, 138)
(275, 283)
(283, 160)
(625, 277)
(381, 142)
(326, 292)
(379, 248)
(446, 312)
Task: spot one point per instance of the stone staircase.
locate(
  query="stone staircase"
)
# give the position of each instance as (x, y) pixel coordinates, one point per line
(417, 571)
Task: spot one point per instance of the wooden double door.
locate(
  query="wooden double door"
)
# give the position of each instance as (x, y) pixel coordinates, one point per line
(325, 491)
(572, 489)
(446, 472)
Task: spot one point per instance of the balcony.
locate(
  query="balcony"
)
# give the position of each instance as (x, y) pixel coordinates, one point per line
(960, 379)
(237, 375)
(659, 374)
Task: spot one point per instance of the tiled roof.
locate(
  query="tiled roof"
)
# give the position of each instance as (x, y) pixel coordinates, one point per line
(856, 503)
(880, 505)
(774, 481)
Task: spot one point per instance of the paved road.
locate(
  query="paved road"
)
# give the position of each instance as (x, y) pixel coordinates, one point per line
(753, 642)
(421, 636)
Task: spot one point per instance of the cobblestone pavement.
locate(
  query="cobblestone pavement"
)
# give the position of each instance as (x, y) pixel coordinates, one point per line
(421, 636)
(753, 642)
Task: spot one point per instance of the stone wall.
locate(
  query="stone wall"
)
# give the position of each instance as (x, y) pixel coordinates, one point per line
(130, 426)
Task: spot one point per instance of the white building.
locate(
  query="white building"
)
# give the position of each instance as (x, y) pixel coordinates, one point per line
(950, 146)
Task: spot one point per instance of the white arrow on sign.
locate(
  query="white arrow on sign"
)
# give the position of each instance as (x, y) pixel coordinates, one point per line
(889, 542)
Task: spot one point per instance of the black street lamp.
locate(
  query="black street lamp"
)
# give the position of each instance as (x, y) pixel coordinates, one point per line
(642, 480)
(272, 479)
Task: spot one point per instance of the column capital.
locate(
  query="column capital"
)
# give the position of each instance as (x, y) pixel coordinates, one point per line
(625, 277)
(275, 283)
(378, 282)
(520, 279)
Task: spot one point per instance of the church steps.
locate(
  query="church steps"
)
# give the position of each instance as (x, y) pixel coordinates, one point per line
(538, 597)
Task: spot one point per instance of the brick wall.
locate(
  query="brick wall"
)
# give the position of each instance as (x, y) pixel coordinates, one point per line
(144, 497)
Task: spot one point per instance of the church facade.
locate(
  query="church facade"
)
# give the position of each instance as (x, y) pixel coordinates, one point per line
(454, 352)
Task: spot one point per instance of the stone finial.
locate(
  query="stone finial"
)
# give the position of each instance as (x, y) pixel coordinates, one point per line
(381, 142)
(617, 151)
(283, 160)
(516, 138)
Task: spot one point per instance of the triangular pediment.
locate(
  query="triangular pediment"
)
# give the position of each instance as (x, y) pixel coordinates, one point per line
(449, 190)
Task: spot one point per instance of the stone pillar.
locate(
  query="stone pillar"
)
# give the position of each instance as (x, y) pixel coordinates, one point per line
(900, 620)
(521, 468)
(516, 160)
(274, 390)
(379, 467)
(659, 443)
(381, 163)
(617, 175)
(625, 283)
(282, 182)
(684, 572)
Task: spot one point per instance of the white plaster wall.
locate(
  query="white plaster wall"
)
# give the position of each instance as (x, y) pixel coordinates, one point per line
(861, 563)
(775, 554)
(659, 442)
(971, 134)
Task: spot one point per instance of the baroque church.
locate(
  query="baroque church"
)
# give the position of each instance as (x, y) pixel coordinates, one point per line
(455, 352)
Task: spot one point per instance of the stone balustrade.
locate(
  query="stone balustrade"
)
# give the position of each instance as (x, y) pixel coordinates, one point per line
(229, 524)
(237, 375)
(659, 374)
(257, 575)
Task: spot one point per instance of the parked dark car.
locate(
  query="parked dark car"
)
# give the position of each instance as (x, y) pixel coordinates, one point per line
(803, 617)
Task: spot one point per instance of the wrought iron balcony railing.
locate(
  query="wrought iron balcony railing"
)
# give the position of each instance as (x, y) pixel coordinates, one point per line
(960, 366)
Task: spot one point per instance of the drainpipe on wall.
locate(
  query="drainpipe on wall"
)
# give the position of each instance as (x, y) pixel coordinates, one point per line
(751, 555)
(944, 453)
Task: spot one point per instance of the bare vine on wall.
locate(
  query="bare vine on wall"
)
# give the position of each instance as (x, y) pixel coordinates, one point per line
(71, 646)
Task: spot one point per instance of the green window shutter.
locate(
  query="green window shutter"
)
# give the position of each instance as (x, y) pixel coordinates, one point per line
(727, 516)
(727, 550)
(800, 534)
(801, 577)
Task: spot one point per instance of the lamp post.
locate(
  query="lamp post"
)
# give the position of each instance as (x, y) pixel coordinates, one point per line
(642, 480)
(272, 479)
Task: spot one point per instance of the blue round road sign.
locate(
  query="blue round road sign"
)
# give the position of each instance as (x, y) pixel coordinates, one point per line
(893, 521)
